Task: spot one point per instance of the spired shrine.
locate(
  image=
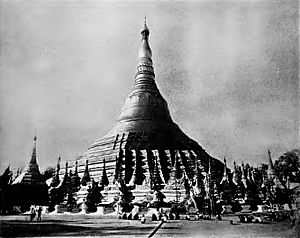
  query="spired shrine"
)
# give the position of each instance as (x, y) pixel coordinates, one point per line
(29, 186)
(31, 173)
(144, 152)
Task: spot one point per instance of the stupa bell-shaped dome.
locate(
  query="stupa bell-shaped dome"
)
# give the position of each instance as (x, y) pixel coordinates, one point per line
(143, 131)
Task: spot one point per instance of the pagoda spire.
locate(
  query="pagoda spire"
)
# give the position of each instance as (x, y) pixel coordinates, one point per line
(33, 155)
(244, 179)
(235, 176)
(208, 180)
(199, 181)
(58, 164)
(177, 167)
(66, 172)
(76, 168)
(55, 180)
(86, 176)
(225, 168)
(144, 105)
(18, 172)
(271, 173)
(104, 179)
(145, 50)
(225, 175)
(252, 175)
(133, 179)
(249, 176)
(271, 170)
(145, 77)
(209, 168)
(156, 178)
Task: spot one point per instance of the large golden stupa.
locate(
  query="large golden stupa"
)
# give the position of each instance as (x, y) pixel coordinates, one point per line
(145, 136)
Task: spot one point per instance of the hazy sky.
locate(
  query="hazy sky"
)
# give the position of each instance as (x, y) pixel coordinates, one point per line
(228, 70)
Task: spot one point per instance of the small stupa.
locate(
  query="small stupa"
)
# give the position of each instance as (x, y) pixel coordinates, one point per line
(31, 173)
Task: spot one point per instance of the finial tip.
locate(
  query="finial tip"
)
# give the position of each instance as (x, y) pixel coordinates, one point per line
(35, 138)
(145, 24)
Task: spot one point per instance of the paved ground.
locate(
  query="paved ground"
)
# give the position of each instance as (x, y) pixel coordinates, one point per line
(88, 225)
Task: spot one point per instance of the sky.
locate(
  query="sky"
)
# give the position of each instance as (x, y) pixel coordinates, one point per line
(229, 71)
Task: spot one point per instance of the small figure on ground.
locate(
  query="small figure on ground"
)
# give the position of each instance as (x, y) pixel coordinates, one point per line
(32, 214)
(143, 219)
(292, 219)
(39, 212)
(219, 209)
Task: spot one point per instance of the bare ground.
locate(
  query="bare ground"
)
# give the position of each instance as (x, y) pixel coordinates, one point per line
(89, 225)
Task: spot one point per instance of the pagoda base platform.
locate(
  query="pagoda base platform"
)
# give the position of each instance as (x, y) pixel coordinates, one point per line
(143, 193)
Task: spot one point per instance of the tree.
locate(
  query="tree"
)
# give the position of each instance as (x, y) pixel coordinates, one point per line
(287, 166)
(260, 173)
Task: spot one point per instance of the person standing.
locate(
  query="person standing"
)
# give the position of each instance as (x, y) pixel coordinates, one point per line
(39, 212)
(32, 214)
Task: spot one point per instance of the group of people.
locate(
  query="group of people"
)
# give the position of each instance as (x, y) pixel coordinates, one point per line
(34, 211)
